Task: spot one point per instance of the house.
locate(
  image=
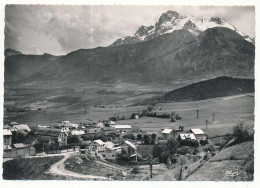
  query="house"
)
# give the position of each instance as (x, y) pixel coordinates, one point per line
(69, 125)
(167, 133)
(109, 123)
(186, 137)
(122, 127)
(24, 150)
(100, 125)
(7, 137)
(109, 145)
(136, 116)
(49, 135)
(43, 126)
(100, 145)
(22, 127)
(77, 133)
(108, 131)
(111, 153)
(199, 134)
(93, 132)
(130, 148)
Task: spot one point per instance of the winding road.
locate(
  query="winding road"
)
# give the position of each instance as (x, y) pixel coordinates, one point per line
(59, 169)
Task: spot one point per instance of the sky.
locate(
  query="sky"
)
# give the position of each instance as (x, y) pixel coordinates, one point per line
(60, 29)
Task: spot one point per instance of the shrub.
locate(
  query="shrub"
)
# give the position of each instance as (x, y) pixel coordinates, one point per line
(242, 132)
(184, 150)
(135, 170)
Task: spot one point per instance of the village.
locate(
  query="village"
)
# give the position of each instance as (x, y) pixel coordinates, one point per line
(126, 146)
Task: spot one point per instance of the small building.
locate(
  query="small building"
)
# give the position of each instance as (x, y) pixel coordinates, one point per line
(77, 133)
(111, 153)
(136, 116)
(22, 127)
(199, 134)
(70, 125)
(130, 148)
(186, 137)
(109, 123)
(123, 127)
(19, 150)
(7, 137)
(108, 131)
(167, 133)
(49, 136)
(93, 132)
(100, 145)
(100, 125)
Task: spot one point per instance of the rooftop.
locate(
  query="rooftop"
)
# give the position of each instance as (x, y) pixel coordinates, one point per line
(130, 144)
(167, 131)
(197, 131)
(99, 142)
(7, 132)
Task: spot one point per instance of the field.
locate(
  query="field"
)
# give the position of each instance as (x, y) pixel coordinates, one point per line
(228, 110)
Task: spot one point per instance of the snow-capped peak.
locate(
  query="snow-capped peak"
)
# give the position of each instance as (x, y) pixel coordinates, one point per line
(171, 21)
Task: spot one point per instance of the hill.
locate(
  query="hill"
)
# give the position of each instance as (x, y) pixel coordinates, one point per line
(10, 52)
(213, 88)
(237, 159)
(171, 57)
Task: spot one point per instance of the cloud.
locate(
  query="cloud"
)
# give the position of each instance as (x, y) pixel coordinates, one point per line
(60, 29)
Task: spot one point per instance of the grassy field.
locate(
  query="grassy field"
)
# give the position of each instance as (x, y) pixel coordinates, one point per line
(228, 110)
(30, 169)
(231, 159)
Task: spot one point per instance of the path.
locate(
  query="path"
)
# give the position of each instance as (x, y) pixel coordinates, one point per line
(59, 169)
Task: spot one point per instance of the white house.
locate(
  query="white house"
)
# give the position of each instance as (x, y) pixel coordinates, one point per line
(100, 145)
(123, 127)
(22, 127)
(187, 137)
(7, 137)
(199, 134)
(167, 133)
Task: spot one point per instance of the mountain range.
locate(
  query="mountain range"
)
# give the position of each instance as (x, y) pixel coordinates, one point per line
(172, 21)
(176, 56)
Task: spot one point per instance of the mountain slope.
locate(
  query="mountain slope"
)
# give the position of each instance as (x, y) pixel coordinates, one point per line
(10, 52)
(217, 87)
(20, 66)
(176, 56)
(172, 21)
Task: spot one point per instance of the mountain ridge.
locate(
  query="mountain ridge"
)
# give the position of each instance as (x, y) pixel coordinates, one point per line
(171, 21)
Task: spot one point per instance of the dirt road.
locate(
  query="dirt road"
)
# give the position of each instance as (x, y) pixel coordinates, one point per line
(59, 169)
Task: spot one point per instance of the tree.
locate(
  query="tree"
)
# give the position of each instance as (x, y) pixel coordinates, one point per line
(154, 138)
(197, 111)
(242, 132)
(181, 127)
(206, 122)
(147, 139)
(213, 116)
(139, 137)
(150, 159)
(150, 108)
(73, 139)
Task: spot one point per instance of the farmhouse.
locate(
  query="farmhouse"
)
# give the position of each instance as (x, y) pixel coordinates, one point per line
(100, 145)
(22, 127)
(123, 127)
(167, 133)
(130, 148)
(111, 153)
(186, 137)
(49, 136)
(199, 134)
(91, 132)
(7, 137)
(108, 131)
(70, 125)
(19, 150)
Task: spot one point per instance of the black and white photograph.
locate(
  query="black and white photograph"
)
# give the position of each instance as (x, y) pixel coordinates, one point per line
(129, 92)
